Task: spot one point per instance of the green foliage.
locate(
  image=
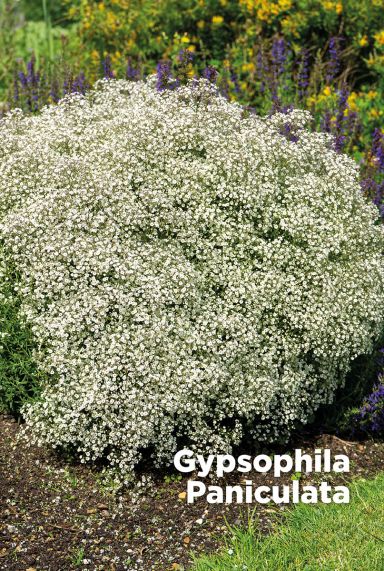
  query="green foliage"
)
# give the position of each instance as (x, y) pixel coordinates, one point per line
(323, 537)
(20, 379)
(36, 9)
(336, 416)
(36, 28)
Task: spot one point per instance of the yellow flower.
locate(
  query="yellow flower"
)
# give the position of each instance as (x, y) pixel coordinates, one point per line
(201, 24)
(217, 20)
(289, 25)
(185, 39)
(311, 100)
(371, 60)
(379, 37)
(363, 41)
(263, 14)
(95, 55)
(285, 5)
(352, 101)
(248, 67)
(327, 91)
(339, 8)
(101, 6)
(372, 94)
(374, 113)
(72, 11)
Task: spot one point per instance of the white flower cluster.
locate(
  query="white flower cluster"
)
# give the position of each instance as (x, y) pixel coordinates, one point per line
(191, 273)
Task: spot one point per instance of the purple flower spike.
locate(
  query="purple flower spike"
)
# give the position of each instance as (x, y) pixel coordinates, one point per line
(235, 81)
(378, 149)
(163, 75)
(289, 133)
(279, 55)
(107, 68)
(303, 75)
(210, 73)
(80, 84)
(334, 59)
(131, 73)
(262, 69)
(370, 417)
(54, 91)
(185, 57)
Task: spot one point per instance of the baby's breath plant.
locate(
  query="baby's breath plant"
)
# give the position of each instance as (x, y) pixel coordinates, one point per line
(193, 273)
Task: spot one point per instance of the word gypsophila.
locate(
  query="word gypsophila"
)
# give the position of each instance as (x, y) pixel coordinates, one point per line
(322, 461)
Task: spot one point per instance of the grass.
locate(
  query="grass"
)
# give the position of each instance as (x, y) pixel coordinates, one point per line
(332, 537)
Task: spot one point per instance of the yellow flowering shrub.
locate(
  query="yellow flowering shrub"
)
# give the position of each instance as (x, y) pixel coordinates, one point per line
(150, 30)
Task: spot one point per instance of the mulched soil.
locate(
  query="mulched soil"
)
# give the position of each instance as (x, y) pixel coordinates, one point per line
(56, 516)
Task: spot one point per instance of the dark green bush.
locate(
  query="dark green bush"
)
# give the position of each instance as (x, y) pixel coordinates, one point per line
(20, 379)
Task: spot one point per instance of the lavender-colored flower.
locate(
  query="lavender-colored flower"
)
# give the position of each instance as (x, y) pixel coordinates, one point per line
(341, 119)
(375, 191)
(303, 75)
(80, 84)
(261, 69)
(31, 76)
(333, 66)
(185, 57)
(29, 84)
(370, 417)
(210, 73)
(132, 73)
(278, 60)
(325, 122)
(163, 70)
(54, 91)
(286, 108)
(224, 86)
(378, 149)
(107, 68)
(23, 80)
(67, 84)
(278, 55)
(235, 81)
(289, 133)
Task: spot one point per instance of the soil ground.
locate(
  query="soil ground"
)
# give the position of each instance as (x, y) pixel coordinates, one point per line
(57, 516)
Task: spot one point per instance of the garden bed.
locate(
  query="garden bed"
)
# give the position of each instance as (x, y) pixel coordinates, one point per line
(58, 515)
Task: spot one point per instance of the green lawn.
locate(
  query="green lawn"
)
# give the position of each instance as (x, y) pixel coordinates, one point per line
(343, 537)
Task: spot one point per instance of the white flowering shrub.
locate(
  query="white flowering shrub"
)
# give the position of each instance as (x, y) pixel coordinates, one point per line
(192, 274)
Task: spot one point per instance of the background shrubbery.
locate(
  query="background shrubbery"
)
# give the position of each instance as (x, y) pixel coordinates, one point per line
(323, 56)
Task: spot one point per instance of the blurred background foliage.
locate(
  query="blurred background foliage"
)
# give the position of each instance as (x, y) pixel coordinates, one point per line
(218, 31)
(295, 52)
